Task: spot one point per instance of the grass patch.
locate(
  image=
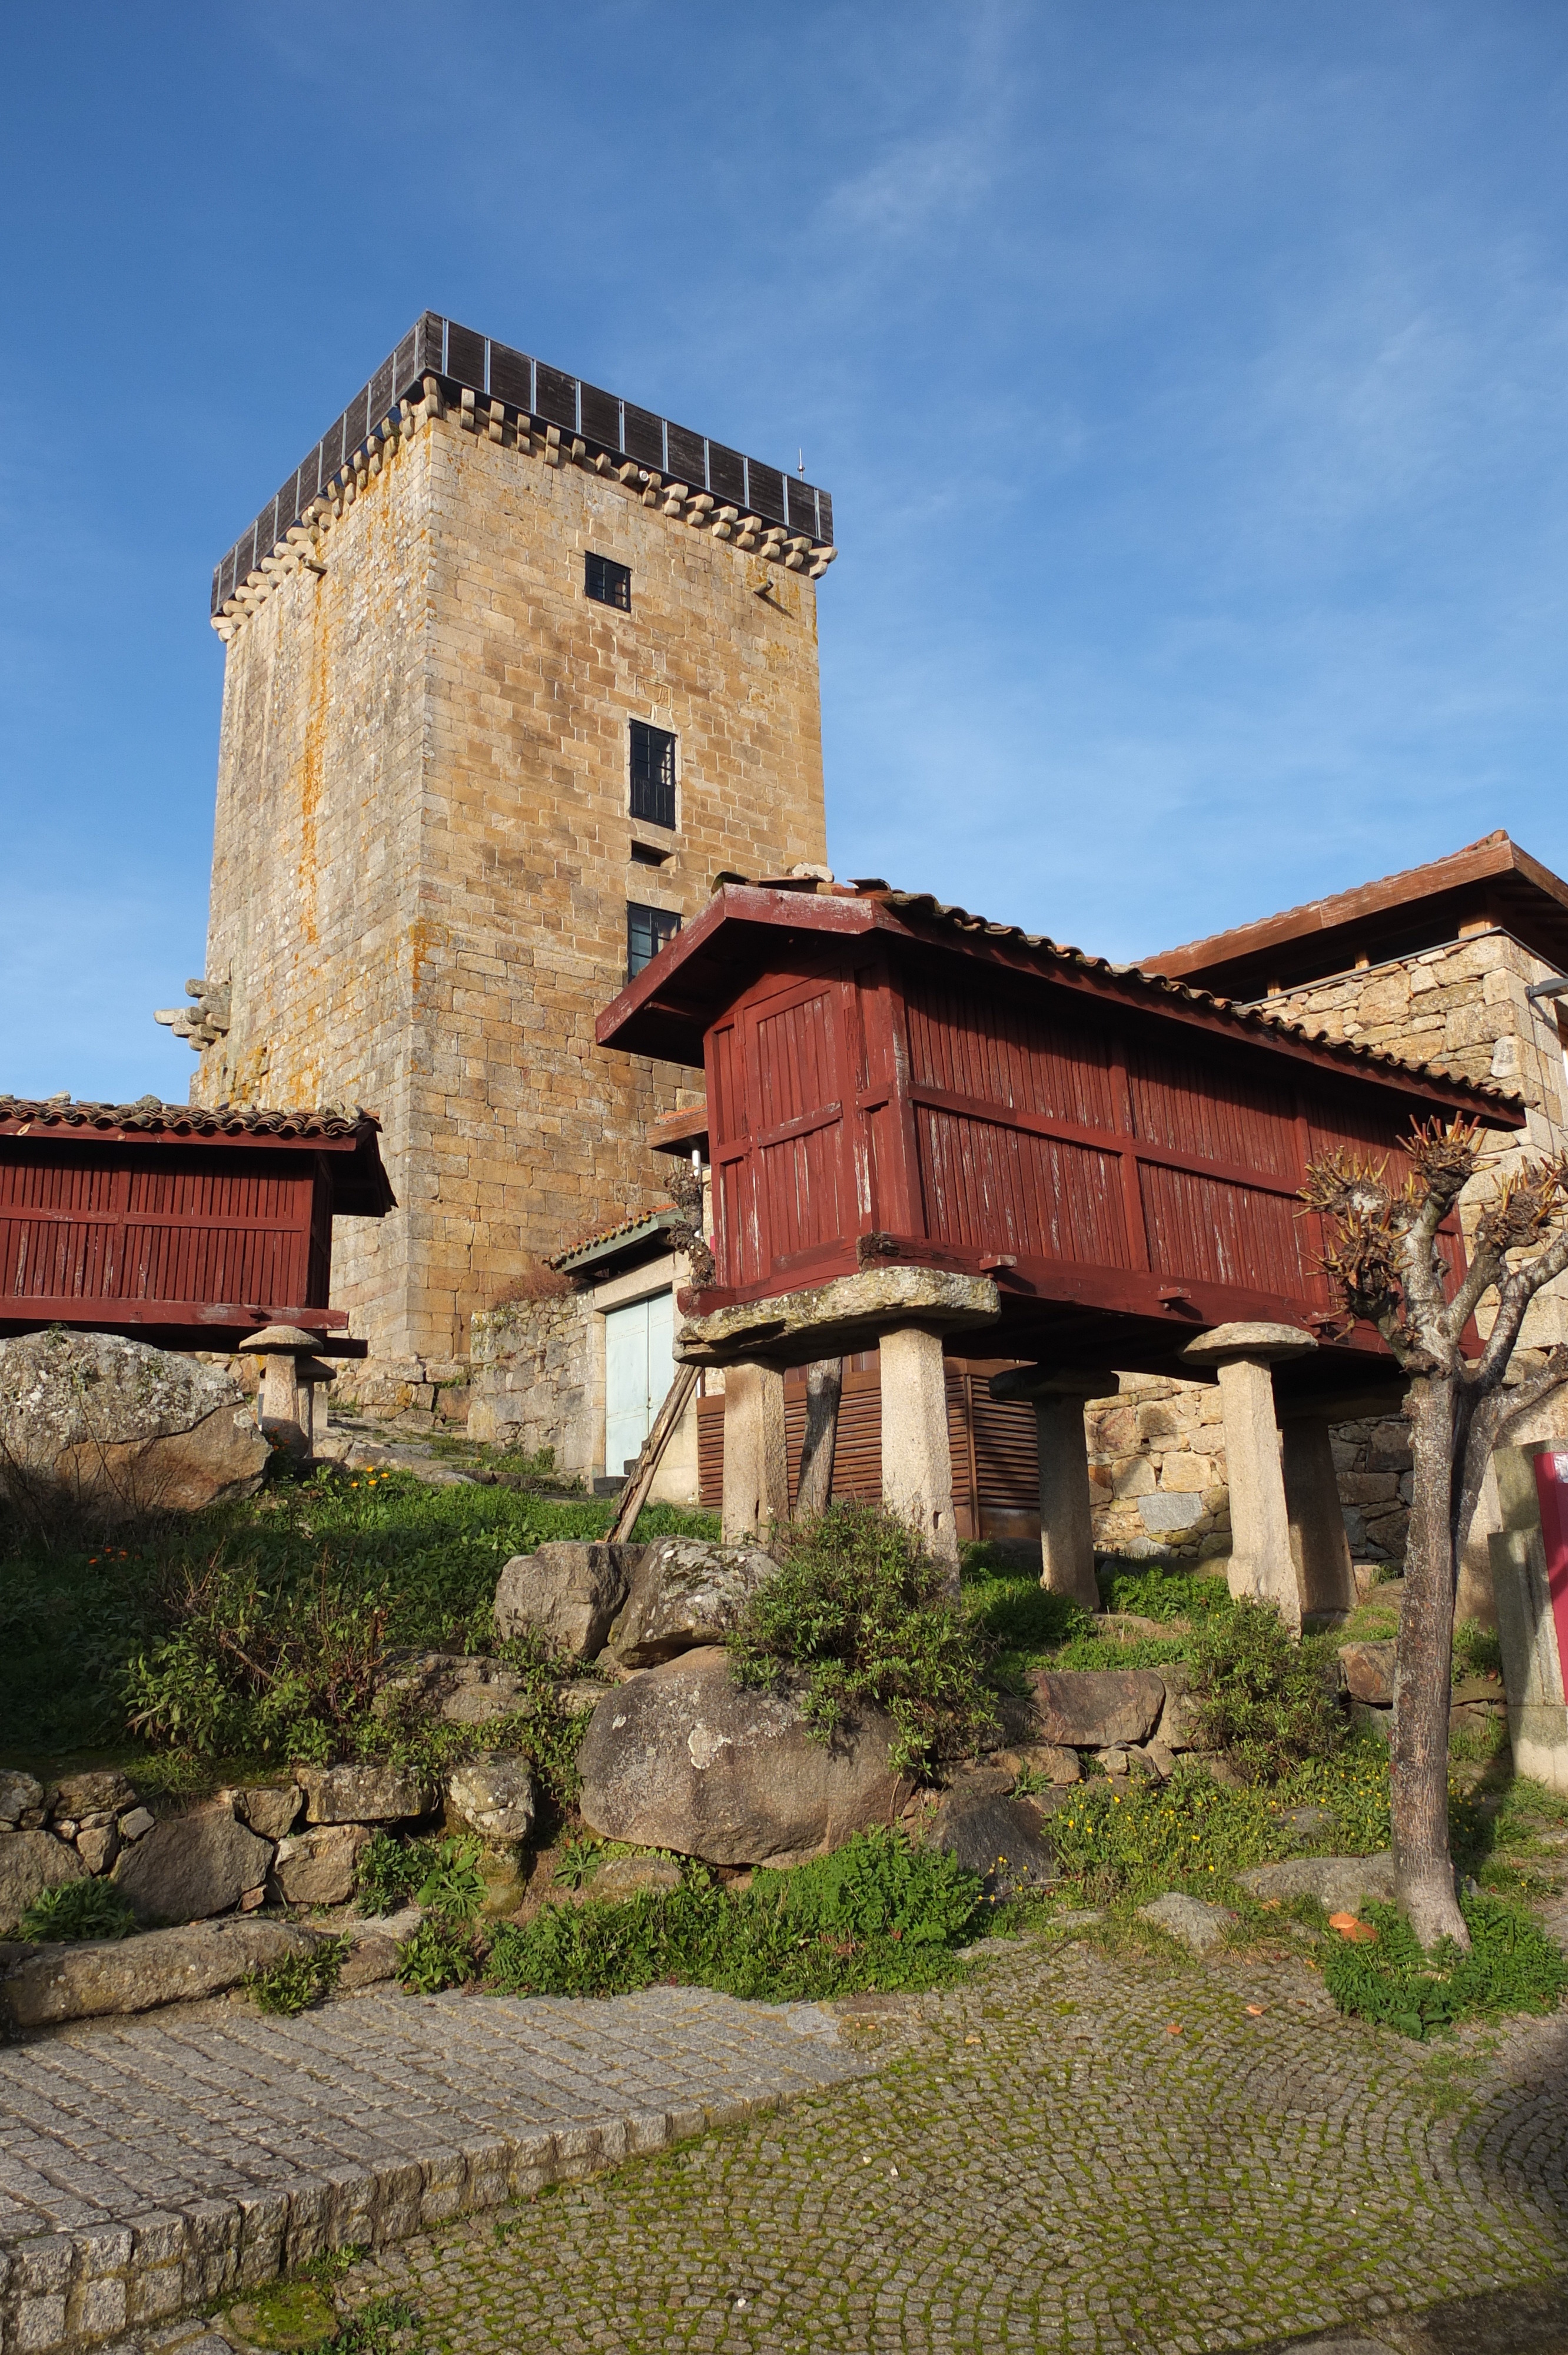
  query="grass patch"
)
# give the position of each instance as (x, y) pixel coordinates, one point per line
(874, 1913)
(132, 1653)
(1158, 1590)
(858, 1613)
(1189, 1833)
(1511, 1966)
(80, 1909)
(1476, 1651)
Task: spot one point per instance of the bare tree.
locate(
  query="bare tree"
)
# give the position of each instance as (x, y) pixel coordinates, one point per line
(1383, 1258)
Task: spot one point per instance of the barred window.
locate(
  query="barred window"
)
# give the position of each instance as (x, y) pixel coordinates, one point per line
(652, 774)
(648, 930)
(607, 583)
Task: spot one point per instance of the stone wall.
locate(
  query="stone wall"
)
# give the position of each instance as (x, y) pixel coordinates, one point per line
(532, 1380)
(423, 852)
(1463, 1005)
(1157, 1469)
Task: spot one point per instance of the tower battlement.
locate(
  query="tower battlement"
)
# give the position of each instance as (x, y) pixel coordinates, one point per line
(687, 473)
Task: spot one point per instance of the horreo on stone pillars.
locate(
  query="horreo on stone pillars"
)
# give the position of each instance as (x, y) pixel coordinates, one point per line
(904, 1313)
(1245, 1355)
(1066, 1528)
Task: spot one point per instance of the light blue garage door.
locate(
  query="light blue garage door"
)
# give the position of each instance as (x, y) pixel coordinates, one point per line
(638, 1362)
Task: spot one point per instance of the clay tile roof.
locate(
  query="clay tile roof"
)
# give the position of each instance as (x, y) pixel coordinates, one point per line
(599, 1245)
(148, 1116)
(1139, 980)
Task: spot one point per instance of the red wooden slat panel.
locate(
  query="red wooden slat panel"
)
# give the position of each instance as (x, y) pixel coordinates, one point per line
(1006, 1454)
(796, 1062)
(1214, 1231)
(82, 1184)
(972, 1044)
(1195, 1104)
(123, 1224)
(996, 1189)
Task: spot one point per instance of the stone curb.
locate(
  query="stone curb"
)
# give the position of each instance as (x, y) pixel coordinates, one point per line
(64, 2292)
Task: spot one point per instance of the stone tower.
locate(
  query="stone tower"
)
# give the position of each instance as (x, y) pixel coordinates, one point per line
(514, 669)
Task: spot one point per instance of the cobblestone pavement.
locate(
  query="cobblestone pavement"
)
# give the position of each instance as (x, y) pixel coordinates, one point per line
(146, 2164)
(1041, 2163)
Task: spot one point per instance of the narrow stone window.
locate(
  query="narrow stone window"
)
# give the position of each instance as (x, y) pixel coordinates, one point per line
(652, 774)
(648, 930)
(607, 583)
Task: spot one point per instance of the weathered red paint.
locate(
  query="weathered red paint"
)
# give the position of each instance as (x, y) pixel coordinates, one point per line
(1124, 1156)
(189, 1241)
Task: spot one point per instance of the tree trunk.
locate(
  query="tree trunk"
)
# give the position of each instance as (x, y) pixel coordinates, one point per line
(1423, 1870)
(824, 1387)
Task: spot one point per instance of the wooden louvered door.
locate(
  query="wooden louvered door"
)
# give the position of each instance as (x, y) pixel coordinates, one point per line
(996, 1470)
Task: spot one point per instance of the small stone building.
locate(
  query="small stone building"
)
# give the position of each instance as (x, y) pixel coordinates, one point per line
(1460, 963)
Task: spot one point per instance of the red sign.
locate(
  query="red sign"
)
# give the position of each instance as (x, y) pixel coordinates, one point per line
(1551, 1487)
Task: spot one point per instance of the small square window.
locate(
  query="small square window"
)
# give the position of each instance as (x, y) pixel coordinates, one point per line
(648, 930)
(607, 583)
(652, 774)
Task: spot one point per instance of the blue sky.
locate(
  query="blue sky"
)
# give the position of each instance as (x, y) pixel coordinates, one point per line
(1190, 381)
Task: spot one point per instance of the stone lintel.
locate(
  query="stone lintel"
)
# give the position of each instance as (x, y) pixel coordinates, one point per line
(1265, 1344)
(834, 1319)
(1053, 1381)
(1344, 1406)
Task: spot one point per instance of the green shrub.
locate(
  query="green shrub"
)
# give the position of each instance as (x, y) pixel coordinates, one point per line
(80, 1909)
(444, 1952)
(874, 1913)
(1261, 1696)
(453, 1886)
(390, 1870)
(861, 1614)
(298, 1980)
(1511, 1966)
(442, 1875)
(1157, 1590)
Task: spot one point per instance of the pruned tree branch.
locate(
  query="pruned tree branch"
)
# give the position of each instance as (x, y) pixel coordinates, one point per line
(1514, 1296)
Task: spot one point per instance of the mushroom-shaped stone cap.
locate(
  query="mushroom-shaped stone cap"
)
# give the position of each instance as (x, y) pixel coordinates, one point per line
(314, 1369)
(281, 1341)
(1270, 1343)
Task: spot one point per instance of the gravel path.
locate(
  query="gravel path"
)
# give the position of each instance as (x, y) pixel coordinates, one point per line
(146, 2164)
(1042, 2164)
(1072, 2151)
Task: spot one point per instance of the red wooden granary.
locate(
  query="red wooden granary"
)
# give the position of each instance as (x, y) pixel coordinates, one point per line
(893, 1081)
(183, 1227)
